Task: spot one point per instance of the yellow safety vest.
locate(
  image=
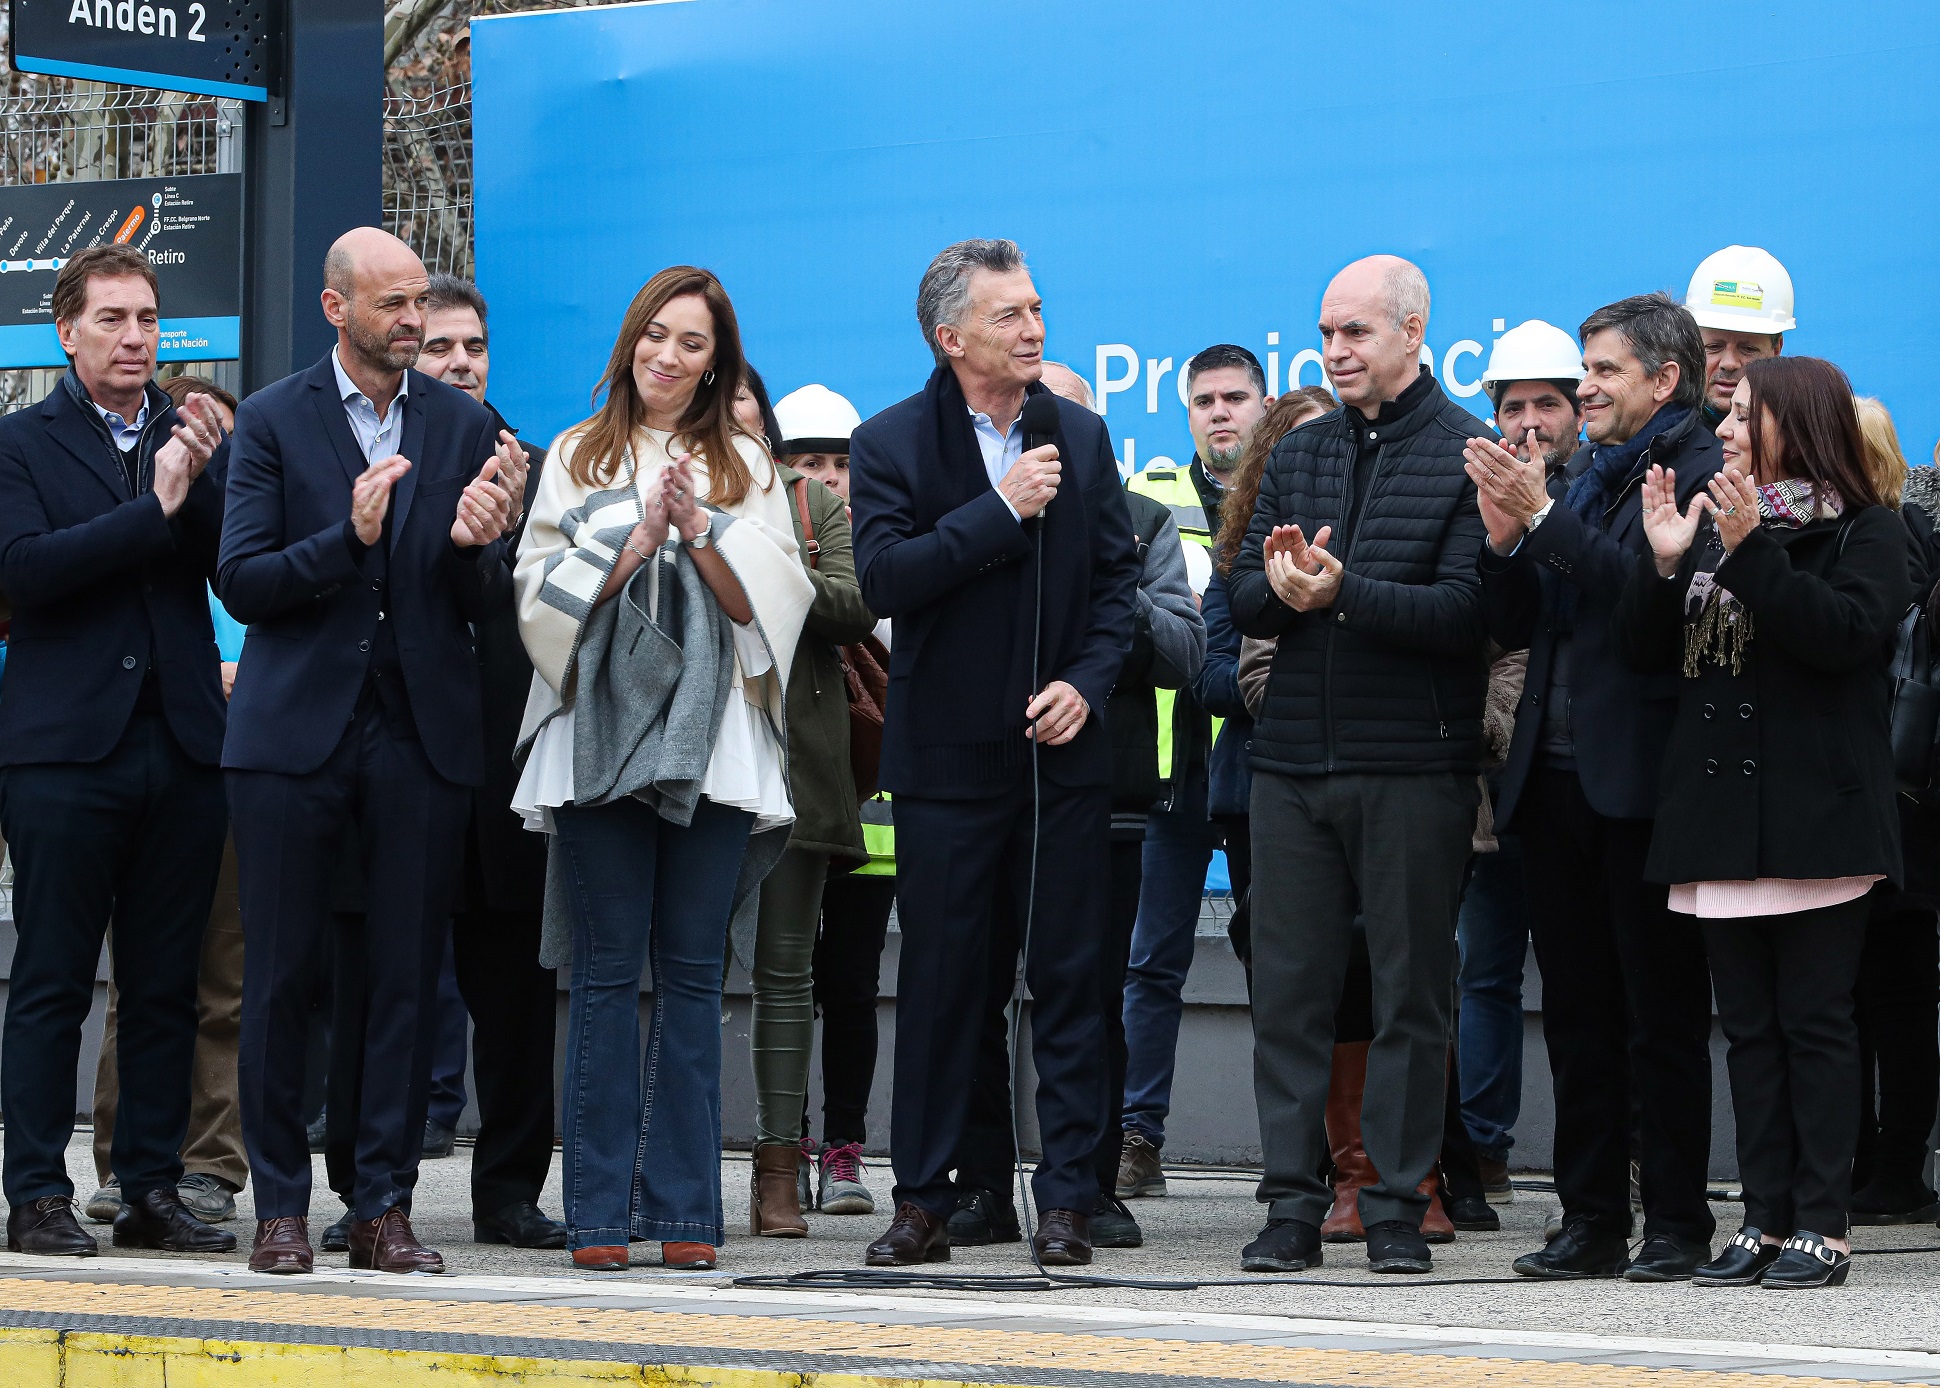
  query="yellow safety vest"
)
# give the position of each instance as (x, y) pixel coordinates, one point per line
(1172, 488)
(879, 837)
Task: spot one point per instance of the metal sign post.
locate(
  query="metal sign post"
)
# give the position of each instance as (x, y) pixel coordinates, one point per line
(315, 169)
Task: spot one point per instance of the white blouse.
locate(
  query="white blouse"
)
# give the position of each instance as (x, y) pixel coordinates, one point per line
(748, 768)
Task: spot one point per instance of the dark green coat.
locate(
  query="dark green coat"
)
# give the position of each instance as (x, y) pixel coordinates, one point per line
(827, 819)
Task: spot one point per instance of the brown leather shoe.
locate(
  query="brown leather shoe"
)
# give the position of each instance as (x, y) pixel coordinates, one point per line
(1436, 1226)
(913, 1236)
(1063, 1239)
(388, 1245)
(282, 1245)
(774, 1206)
(601, 1258)
(689, 1256)
(1352, 1170)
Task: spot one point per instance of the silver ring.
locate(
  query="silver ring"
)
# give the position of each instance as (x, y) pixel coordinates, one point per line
(1729, 511)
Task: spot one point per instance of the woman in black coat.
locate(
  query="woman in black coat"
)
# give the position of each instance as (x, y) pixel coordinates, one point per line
(1776, 594)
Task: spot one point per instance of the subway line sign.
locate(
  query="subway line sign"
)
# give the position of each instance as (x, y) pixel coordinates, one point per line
(210, 47)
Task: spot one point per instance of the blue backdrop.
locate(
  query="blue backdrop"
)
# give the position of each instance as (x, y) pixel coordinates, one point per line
(1182, 174)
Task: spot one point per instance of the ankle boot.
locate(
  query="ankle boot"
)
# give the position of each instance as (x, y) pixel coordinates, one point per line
(1436, 1226)
(1352, 1169)
(775, 1207)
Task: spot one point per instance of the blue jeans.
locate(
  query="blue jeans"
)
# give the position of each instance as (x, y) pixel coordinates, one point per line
(1179, 845)
(1494, 935)
(645, 891)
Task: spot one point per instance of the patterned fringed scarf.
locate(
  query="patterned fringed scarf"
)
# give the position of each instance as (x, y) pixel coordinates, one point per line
(1719, 627)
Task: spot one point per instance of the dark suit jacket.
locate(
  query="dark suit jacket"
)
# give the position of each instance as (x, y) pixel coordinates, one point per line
(291, 569)
(102, 585)
(511, 859)
(1619, 718)
(949, 576)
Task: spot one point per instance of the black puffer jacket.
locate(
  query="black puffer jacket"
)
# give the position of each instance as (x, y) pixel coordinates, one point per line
(1390, 678)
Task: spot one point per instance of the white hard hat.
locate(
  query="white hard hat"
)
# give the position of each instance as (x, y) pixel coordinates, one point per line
(815, 419)
(1534, 351)
(1742, 288)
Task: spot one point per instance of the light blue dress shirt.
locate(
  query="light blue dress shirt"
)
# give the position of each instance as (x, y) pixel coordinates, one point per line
(126, 435)
(1000, 451)
(379, 438)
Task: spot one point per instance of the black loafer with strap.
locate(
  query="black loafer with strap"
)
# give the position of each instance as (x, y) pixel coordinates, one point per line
(1741, 1264)
(1807, 1262)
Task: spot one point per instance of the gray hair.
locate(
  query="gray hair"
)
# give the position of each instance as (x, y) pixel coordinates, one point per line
(1407, 291)
(1658, 329)
(1085, 396)
(944, 295)
(447, 291)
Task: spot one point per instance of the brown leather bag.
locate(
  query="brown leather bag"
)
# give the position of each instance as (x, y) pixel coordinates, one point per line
(865, 672)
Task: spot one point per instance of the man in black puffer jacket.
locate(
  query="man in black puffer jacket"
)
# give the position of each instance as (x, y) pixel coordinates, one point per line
(1361, 559)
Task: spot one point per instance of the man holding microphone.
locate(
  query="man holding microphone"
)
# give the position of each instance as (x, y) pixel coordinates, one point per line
(980, 547)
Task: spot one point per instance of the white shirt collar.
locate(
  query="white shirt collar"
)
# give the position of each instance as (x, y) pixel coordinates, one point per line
(348, 389)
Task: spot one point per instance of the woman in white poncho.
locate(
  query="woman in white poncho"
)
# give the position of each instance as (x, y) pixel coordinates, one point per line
(660, 597)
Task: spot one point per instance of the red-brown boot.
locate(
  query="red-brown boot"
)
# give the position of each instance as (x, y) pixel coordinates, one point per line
(1436, 1226)
(1352, 1169)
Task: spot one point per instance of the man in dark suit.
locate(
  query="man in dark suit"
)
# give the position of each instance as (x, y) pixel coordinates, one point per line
(111, 723)
(365, 507)
(975, 545)
(1626, 987)
(495, 937)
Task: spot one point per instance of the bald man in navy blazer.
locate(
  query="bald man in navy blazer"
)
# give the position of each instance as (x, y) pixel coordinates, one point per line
(362, 539)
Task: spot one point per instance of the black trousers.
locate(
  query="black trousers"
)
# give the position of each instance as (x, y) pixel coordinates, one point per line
(958, 863)
(1626, 1015)
(134, 841)
(987, 1152)
(848, 977)
(409, 823)
(1784, 986)
(1896, 1003)
(514, 1004)
(1387, 851)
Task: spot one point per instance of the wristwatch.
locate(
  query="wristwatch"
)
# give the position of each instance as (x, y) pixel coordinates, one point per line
(1540, 516)
(700, 541)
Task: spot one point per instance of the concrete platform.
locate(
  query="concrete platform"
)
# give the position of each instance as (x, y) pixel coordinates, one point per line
(506, 1315)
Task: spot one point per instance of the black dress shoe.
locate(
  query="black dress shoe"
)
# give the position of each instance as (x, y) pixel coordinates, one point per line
(913, 1236)
(1885, 1201)
(1581, 1250)
(1804, 1263)
(158, 1219)
(1285, 1245)
(1667, 1258)
(1393, 1246)
(1473, 1214)
(1742, 1263)
(48, 1226)
(318, 1133)
(984, 1216)
(1114, 1226)
(336, 1239)
(521, 1224)
(1063, 1239)
(438, 1140)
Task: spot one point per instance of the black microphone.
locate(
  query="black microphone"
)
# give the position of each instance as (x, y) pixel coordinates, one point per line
(1040, 420)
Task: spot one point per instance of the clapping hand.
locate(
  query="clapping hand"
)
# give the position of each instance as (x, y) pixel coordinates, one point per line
(1734, 500)
(1509, 487)
(684, 509)
(1669, 532)
(484, 508)
(1304, 576)
(181, 460)
(513, 464)
(370, 496)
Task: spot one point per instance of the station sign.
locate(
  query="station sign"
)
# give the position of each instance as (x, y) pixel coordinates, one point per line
(189, 228)
(210, 47)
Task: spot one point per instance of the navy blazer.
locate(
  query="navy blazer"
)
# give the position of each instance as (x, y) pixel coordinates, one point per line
(1620, 719)
(291, 569)
(102, 585)
(933, 576)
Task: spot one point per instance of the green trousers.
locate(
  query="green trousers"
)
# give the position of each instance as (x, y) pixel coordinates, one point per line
(783, 1034)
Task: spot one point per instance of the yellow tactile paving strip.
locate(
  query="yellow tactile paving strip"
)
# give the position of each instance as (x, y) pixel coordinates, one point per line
(1010, 1354)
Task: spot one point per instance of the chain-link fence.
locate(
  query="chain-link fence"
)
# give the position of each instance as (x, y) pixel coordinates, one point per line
(428, 175)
